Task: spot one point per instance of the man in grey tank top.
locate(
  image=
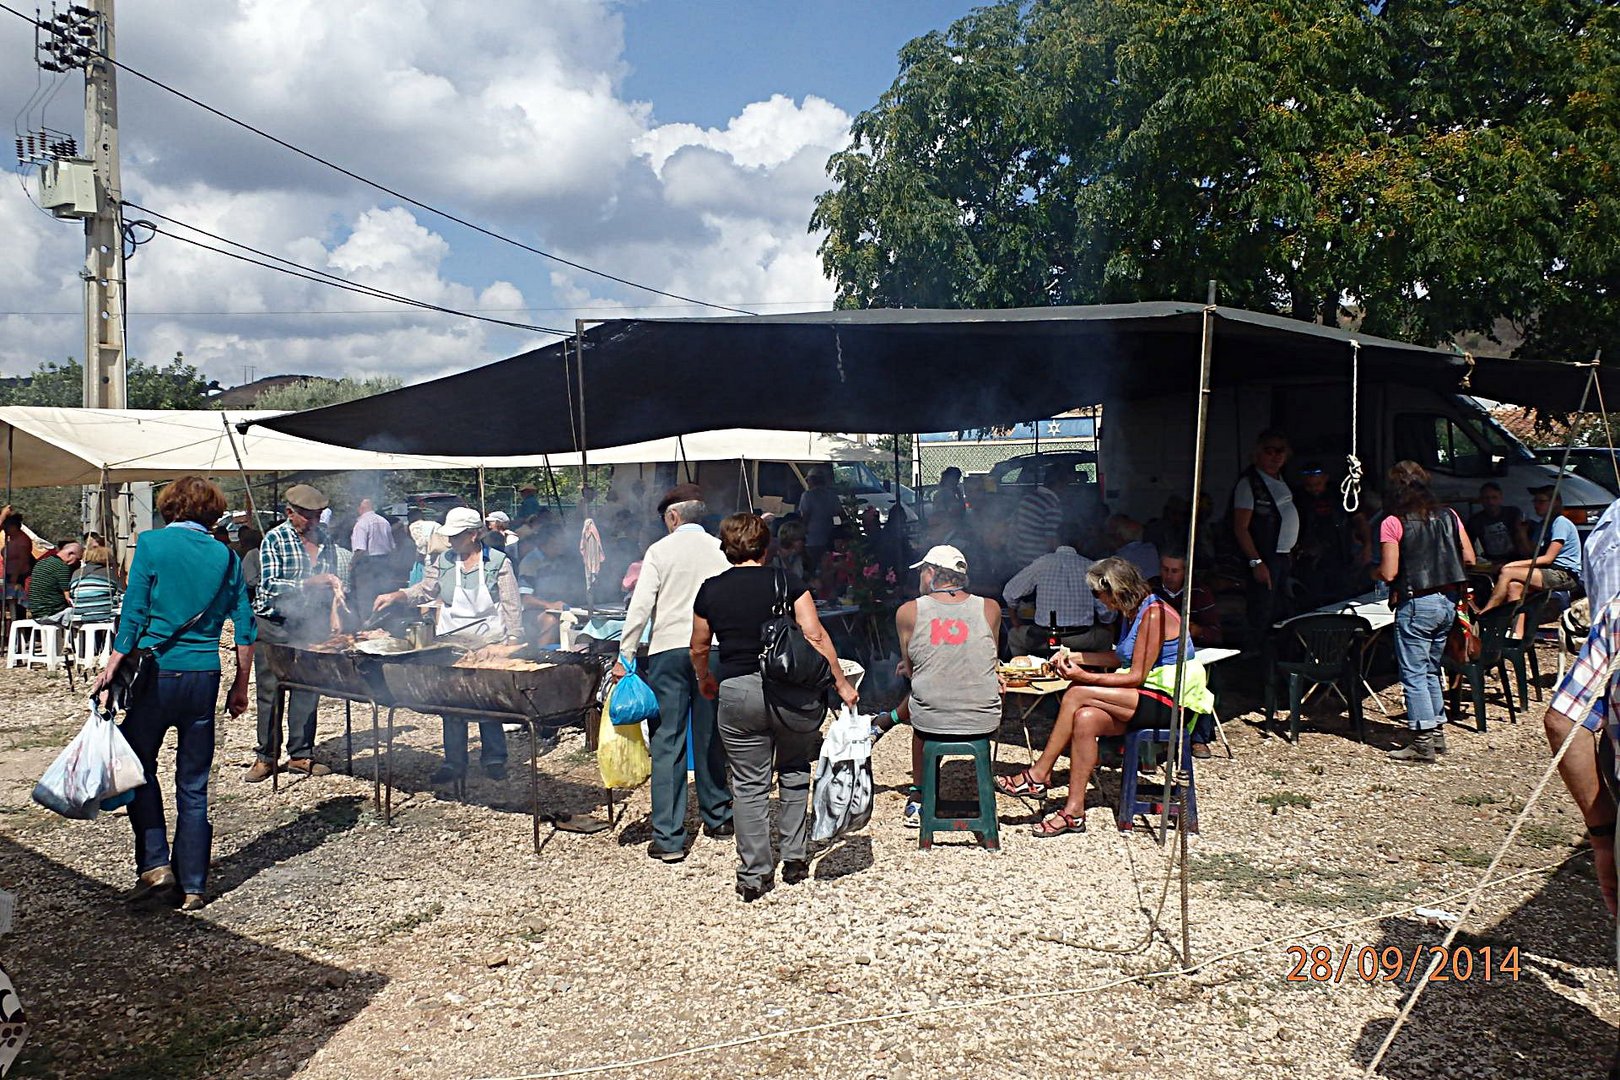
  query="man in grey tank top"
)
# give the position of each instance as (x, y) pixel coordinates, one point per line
(948, 638)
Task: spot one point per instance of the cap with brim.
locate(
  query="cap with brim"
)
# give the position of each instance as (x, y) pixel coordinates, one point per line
(498, 515)
(943, 557)
(305, 497)
(458, 521)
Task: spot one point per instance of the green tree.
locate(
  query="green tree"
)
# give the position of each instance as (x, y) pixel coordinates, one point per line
(176, 385)
(1423, 166)
(314, 393)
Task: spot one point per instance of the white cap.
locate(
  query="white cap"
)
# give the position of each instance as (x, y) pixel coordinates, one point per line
(458, 521)
(944, 557)
(498, 516)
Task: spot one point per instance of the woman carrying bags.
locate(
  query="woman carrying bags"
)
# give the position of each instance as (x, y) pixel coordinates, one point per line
(183, 585)
(765, 730)
(1425, 553)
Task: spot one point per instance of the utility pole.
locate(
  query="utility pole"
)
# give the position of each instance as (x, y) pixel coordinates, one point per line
(105, 384)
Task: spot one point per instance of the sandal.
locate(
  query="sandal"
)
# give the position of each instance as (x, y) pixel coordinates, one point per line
(1021, 785)
(1066, 824)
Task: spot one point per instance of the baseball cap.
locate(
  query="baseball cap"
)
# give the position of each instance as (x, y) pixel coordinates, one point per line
(944, 557)
(527, 488)
(1311, 468)
(498, 516)
(458, 521)
(306, 497)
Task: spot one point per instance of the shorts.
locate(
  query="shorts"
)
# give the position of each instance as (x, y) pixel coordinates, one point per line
(1153, 710)
(1557, 579)
(940, 736)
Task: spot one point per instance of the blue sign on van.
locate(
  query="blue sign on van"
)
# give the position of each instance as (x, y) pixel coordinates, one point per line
(1058, 427)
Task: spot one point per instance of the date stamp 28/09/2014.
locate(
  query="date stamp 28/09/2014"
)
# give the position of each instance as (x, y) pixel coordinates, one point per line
(1392, 963)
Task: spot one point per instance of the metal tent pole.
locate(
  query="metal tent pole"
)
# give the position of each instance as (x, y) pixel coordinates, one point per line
(483, 510)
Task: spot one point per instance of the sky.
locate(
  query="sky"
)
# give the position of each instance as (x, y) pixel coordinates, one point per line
(675, 143)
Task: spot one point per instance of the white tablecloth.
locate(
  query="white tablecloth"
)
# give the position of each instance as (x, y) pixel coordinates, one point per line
(1369, 606)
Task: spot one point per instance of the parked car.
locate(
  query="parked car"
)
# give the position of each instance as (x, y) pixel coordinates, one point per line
(432, 504)
(1593, 463)
(1031, 470)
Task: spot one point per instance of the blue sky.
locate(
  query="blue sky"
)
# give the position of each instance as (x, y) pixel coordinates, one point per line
(678, 144)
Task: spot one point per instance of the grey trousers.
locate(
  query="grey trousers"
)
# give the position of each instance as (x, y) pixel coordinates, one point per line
(299, 720)
(758, 744)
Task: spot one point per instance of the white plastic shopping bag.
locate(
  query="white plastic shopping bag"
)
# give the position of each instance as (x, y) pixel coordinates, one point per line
(843, 794)
(98, 764)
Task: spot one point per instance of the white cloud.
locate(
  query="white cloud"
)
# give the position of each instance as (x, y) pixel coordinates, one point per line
(511, 116)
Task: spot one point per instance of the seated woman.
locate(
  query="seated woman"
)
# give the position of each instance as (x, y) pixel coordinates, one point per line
(1556, 567)
(1104, 703)
(94, 588)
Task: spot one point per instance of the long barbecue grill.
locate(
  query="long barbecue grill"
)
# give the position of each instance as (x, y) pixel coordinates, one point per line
(555, 693)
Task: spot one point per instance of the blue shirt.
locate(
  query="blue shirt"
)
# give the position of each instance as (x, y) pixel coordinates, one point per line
(1169, 652)
(1569, 556)
(176, 573)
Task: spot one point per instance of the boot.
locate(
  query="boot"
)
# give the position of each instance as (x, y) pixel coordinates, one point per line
(1439, 740)
(1420, 751)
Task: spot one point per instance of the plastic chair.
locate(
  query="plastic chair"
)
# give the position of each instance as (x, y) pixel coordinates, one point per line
(92, 642)
(32, 642)
(1314, 650)
(1519, 652)
(982, 823)
(1495, 628)
(1130, 805)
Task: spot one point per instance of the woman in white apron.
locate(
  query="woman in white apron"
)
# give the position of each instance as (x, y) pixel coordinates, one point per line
(477, 591)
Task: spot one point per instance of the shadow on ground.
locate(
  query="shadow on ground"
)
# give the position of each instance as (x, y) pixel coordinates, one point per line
(191, 999)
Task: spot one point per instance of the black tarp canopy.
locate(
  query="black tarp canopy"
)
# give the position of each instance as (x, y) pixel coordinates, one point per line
(899, 370)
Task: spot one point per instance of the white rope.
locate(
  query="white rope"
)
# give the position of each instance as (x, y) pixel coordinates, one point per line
(1010, 999)
(1350, 486)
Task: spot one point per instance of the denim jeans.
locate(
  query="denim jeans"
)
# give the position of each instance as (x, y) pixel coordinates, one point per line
(1421, 626)
(185, 701)
(674, 684)
(491, 742)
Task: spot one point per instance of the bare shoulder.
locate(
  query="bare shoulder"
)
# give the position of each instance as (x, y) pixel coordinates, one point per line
(992, 609)
(906, 611)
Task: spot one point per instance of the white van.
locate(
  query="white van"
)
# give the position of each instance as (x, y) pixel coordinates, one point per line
(1147, 446)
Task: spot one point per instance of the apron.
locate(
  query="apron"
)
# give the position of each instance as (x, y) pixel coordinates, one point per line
(469, 606)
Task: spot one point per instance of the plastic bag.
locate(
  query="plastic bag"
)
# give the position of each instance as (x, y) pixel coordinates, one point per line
(631, 700)
(621, 754)
(98, 764)
(843, 794)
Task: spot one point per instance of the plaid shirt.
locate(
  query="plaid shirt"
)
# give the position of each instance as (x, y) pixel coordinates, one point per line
(283, 565)
(1058, 580)
(1585, 693)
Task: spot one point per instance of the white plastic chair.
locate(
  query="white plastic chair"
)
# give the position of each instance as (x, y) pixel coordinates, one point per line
(92, 642)
(33, 643)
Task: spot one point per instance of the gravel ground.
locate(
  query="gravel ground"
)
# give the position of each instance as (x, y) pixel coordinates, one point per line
(442, 946)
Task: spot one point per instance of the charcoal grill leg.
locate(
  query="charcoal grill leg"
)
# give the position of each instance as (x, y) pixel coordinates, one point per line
(376, 762)
(534, 779)
(388, 775)
(348, 734)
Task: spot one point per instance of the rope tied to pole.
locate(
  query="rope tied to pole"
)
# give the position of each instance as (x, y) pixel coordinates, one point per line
(1350, 486)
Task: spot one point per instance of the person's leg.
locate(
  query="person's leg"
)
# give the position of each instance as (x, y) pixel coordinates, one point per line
(195, 697)
(1057, 745)
(668, 675)
(143, 728)
(746, 732)
(1411, 648)
(1098, 638)
(795, 751)
(708, 759)
(1279, 603)
(267, 687)
(1090, 724)
(1023, 640)
(1444, 615)
(1579, 766)
(455, 744)
(300, 717)
(491, 744)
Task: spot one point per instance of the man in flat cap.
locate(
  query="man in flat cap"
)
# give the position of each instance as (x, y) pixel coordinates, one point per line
(298, 579)
(671, 572)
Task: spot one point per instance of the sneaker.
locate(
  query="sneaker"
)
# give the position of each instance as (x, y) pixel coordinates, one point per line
(445, 774)
(155, 884)
(495, 770)
(913, 818)
(1200, 751)
(193, 902)
(260, 772)
(795, 871)
(307, 767)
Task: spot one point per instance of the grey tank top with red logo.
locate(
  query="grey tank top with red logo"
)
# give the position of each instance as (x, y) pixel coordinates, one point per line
(953, 670)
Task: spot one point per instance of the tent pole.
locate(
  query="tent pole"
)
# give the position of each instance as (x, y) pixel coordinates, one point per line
(584, 456)
(247, 487)
(686, 465)
(483, 511)
(551, 482)
(1178, 737)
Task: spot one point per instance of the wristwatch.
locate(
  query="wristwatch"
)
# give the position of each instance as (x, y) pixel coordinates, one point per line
(1255, 562)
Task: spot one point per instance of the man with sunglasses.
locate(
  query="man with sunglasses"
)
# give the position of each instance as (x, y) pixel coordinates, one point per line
(1265, 523)
(298, 574)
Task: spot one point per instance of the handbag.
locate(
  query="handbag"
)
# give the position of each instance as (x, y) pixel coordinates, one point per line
(1462, 640)
(786, 657)
(139, 667)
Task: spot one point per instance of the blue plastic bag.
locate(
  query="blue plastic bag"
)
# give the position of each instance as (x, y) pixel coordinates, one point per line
(631, 700)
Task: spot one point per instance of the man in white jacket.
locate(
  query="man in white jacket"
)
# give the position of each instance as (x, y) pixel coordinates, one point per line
(671, 572)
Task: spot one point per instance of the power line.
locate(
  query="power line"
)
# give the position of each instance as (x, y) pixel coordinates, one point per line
(321, 277)
(380, 311)
(351, 174)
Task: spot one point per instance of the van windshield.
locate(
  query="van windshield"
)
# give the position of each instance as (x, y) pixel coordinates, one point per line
(1497, 439)
(856, 477)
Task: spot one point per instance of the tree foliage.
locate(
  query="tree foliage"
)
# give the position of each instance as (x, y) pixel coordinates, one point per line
(313, 393)
(1424, 166)
(175, 385)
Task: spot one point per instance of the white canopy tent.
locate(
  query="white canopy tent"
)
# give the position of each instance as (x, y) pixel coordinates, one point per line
(46, 447)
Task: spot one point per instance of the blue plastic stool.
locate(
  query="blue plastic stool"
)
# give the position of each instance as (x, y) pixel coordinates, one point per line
(982, 823)
(1129, 805)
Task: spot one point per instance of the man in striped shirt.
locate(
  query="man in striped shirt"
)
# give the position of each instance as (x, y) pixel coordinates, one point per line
(1035, 523)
